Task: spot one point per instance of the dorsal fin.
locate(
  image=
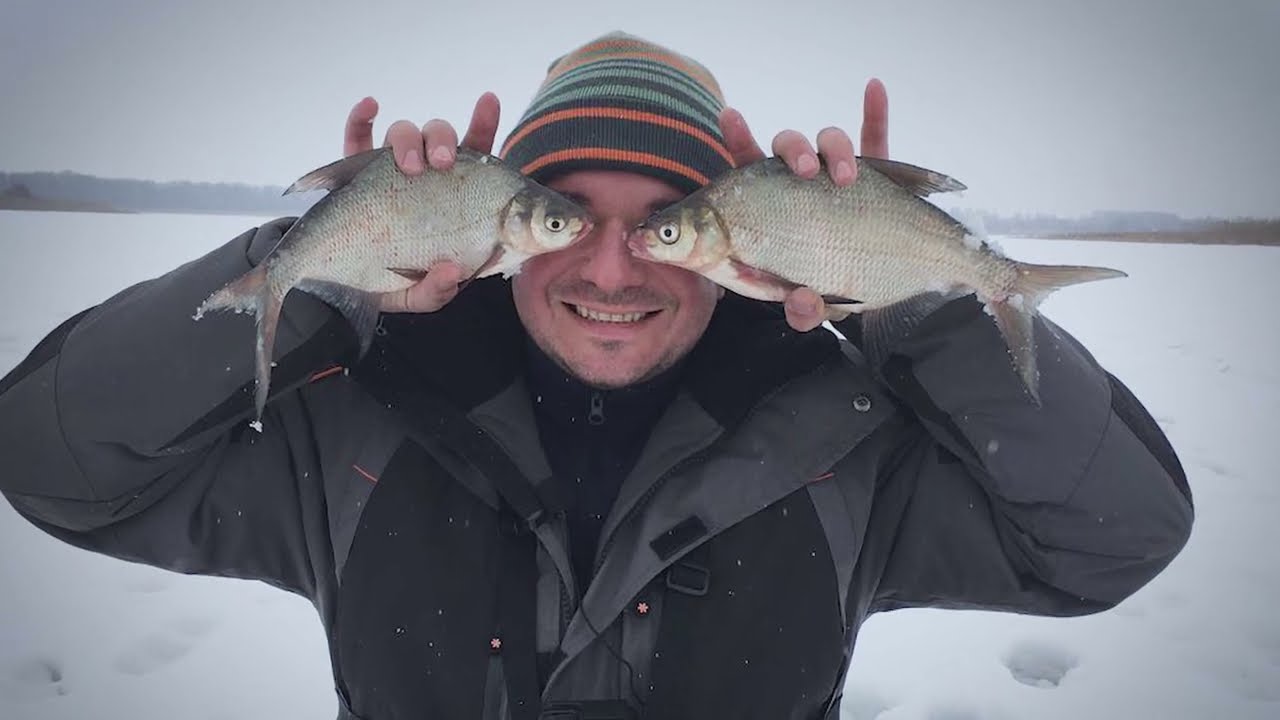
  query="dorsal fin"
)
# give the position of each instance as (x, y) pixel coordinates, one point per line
(920, 181)
(335, 174)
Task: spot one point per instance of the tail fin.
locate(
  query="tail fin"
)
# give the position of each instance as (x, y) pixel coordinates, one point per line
(1013, 314)
(1036, 282)
(252, 292)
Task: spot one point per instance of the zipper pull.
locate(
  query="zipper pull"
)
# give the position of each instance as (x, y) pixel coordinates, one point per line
(596, 414)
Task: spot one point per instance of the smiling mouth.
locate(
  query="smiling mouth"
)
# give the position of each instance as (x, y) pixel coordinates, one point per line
(607, 317)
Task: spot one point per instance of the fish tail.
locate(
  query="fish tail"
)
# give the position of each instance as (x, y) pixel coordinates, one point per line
(1036, 282)
(253, 293)
(268, 320)
(1014, 312)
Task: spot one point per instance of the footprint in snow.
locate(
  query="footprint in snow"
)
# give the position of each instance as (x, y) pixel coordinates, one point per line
(31, 679)
(954, 714)
(1039, 664)
(862, 705)
(1216, 468)
(147, 584)
(1130, 609)
(194, 626)
(162, 647)
(1267, 640)
(1250, 680)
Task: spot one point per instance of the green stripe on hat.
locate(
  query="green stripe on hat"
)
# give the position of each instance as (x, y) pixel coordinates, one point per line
(650, 70)
(605, 96)
(614, 91)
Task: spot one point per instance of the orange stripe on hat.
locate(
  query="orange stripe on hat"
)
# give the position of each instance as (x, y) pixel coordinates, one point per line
(621, 114)
(628, 156)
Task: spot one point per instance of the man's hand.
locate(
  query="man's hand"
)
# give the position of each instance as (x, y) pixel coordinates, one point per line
(805, 309)
(435, 143)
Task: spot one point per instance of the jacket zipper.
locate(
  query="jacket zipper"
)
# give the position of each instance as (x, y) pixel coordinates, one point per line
(595, 410)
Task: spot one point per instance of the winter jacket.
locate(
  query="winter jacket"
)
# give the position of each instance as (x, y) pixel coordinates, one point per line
(787, 492)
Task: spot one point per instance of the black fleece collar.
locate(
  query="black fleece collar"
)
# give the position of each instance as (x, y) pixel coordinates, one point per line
(556, 393)
(476, 347)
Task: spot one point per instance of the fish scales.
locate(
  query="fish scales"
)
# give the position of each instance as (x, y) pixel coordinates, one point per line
(385, 213)
(874, 247)
(380, 231)
(871, 241)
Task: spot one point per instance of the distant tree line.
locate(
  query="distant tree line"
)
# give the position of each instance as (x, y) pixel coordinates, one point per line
(1102, 221)
(239, 198)
(152, 196)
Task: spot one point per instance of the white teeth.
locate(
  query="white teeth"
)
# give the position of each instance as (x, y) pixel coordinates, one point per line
(609, 317)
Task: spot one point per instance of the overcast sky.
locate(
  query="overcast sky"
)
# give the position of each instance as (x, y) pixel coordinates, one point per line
(1036, 105)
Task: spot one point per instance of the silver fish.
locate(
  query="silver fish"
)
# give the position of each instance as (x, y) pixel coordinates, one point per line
(379, 230)
(875, 245)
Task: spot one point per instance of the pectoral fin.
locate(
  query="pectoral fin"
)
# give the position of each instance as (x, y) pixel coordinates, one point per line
(359, 307)
(885, 326)
(751, 282)
(504, 260)
(412, 274)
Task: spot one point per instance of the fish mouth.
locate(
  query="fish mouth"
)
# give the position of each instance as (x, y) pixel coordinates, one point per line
(639, 246)
(587, 227)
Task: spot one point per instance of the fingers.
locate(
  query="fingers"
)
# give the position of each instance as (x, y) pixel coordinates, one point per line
(837, 149)
(738, 140)
(805, 309)
(441, 142)
(484, 124)
(834, 145)
(432, 292)
(359, 132)
(405, 140)
(875, 120)
(794, 149)
(435, 144)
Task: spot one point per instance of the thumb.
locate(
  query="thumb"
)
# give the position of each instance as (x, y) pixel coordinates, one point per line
(804, 309)
(432, 292)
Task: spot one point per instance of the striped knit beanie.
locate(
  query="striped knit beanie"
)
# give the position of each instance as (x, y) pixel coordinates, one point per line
(623, 103)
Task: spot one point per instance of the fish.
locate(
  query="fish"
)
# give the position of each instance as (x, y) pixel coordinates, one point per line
(875, 247)
(378, 230)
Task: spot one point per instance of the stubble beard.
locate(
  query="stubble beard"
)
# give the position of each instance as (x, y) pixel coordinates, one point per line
(665, 362)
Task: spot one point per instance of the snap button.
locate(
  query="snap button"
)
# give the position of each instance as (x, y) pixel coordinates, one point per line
(861, 403)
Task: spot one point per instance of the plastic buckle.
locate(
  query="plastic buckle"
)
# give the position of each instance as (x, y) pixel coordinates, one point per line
(690, 579)
(587, 710)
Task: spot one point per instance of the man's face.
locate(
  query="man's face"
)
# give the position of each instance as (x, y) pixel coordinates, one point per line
(607, 317)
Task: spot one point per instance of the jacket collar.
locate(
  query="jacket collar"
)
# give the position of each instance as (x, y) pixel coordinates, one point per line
(475, 348)
(562, 400)
(459, 377)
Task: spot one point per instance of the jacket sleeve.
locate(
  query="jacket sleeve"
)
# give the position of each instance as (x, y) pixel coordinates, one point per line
(992, 502)
(125, 431)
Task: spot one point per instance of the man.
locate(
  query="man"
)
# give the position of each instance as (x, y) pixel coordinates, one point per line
(606, 488)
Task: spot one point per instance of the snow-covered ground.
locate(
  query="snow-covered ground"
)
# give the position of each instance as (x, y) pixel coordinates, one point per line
(1191, 331)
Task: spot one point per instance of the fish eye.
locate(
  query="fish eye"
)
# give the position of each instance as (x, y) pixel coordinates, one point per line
(669, 233)
(555, 223)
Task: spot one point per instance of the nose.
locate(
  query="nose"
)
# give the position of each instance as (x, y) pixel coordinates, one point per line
(609, 264)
